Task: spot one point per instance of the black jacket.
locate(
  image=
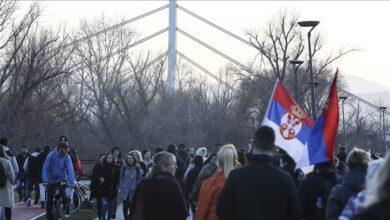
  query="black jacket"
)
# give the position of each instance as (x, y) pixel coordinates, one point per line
(110, 173)
(258, 190)
(95, 181)
(351, 183)
(159, 197)
(378, 211)
(190, 181)
(314, 192)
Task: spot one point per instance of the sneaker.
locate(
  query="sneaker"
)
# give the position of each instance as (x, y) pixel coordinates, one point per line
(28, 202)
(67, 213)
(36, 205)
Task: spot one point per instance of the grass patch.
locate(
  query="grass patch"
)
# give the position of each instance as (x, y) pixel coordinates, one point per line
(81, 215)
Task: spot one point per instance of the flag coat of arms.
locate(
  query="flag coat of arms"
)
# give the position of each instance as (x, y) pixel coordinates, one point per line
(291, 123)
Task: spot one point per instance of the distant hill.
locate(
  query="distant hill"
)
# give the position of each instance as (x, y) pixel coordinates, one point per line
(367, 89)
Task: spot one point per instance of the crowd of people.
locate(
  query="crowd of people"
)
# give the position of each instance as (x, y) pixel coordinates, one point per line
(222, 182)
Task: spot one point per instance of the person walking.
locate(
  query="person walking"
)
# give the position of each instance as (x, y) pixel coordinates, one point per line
(351, 184)
(21, 185)
(211, 187)
(259, 189)
(159, 197)
(109, 177)
(96, 184)
(314, 191)
(33, 176)
(41, 160)
(6, 189)
(130, 176)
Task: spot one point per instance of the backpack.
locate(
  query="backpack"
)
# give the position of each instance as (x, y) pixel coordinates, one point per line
(32, 171)
(3, 176)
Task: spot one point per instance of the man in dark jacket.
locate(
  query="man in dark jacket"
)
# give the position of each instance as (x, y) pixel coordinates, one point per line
(314, 190)
(191, 178)
(259, 190)
(351, 183)
(21, 185)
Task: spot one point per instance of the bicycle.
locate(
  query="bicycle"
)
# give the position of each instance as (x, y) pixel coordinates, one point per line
(58, 187)
(81, 197)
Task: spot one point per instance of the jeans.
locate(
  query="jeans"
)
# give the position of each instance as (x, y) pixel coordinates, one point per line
(21, 188)
(107, 208)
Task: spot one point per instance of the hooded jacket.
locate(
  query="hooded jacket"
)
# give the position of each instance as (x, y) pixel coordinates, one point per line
(57, 168)
(351, 184)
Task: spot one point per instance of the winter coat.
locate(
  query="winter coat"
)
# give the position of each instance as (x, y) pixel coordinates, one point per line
(95, 181)
(13, 161)
(130, 176)
(30, 166)
(351, 184)
(7, 192)
(145, 166)
(259, 190)
(314, 192)
(209, 195)
(190, 181)
(207, 171)
(110, 173)
(57, 168)
(378, 211)
(159, 197)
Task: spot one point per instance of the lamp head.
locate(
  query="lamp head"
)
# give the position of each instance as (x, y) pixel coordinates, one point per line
(308, 23)
(296, 62)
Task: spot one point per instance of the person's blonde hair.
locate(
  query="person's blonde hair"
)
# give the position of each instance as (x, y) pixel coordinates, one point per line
(358, 158)
(227, 158)
(137, 154)
(379, 185)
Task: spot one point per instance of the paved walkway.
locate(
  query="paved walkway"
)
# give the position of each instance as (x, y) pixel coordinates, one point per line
(119, 214)
(22, 212)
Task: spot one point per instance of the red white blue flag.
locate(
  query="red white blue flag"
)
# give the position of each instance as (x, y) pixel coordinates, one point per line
(291, 123)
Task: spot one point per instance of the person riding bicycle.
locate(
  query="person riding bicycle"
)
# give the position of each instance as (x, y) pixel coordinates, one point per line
(58, 169)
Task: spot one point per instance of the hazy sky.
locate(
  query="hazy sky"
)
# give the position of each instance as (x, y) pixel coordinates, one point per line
(355, 24)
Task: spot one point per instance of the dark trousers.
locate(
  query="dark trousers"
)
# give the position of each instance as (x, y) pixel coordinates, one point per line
(50, 193)
(126, 210)
(7, 213)
(33, 183)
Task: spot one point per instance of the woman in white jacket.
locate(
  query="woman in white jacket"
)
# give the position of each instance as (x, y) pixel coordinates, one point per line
(7, 192)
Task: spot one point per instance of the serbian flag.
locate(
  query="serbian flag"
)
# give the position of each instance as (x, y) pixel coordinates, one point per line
(321, 143)
(290, 122)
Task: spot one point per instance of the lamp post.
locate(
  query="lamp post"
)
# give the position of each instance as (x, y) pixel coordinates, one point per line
(343, 98)
(296, 64)
(384, 128)
(311, 24)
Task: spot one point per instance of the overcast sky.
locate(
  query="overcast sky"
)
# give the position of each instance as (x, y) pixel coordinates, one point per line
(355, 24)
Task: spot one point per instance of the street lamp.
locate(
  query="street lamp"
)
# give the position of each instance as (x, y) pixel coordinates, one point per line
(311, 24)
(384, 129)
(343, 98)
(296, 64)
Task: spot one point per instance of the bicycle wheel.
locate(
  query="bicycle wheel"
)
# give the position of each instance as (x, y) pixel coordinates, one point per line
(57, 209)
(75, 202)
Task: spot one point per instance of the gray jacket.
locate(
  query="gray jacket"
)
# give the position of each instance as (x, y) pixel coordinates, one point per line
(128, 180)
